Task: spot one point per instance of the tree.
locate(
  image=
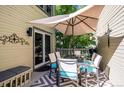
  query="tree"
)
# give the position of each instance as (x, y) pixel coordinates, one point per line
(63, 41)
(65, 9)
(78, 41)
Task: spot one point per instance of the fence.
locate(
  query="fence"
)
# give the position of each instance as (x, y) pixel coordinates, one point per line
(65, 52)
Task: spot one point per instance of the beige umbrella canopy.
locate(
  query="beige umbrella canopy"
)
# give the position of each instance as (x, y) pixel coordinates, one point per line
(80, 22)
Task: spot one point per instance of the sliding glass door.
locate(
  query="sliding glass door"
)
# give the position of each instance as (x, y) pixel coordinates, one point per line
(47, 47)
(42, 47)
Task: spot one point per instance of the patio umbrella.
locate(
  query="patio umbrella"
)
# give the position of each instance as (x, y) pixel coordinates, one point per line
(80, 22)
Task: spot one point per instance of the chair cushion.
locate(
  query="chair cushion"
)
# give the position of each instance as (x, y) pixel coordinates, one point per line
(19, 69)
(88, 68)
(70, 75)
(88, 62)
(4, 75)
(82, 64)
(53, 65)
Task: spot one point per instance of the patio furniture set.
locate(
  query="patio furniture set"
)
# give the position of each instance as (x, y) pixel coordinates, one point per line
(78, 23)
(74, 68)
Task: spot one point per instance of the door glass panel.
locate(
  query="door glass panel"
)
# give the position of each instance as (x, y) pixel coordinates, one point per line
(47, 47)
(38, 48)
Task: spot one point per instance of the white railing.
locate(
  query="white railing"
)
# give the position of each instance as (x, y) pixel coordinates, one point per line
(65, 52)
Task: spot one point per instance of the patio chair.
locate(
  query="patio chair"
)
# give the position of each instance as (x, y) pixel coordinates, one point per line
(78, 54)
(91, 60)
(93, 67)
(58, 55)
(93, 56)
(53, 65)
(67, 68)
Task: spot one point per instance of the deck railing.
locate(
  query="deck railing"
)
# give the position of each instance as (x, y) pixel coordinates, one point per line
(65, 52)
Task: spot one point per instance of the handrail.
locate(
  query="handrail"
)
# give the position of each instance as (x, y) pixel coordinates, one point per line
(65, 52)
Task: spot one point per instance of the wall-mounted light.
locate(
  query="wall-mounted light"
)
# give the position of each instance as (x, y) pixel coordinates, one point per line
(108, 34)
(29, 31)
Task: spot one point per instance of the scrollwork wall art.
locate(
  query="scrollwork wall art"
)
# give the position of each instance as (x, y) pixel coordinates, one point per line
(14, 39)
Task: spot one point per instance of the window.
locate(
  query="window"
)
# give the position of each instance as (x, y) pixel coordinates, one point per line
(48, 9)
(41, 6)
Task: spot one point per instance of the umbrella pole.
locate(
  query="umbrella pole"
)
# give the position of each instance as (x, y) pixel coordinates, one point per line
(72, 35)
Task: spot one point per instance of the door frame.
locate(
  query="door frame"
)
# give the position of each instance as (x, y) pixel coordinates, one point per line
(43, 32)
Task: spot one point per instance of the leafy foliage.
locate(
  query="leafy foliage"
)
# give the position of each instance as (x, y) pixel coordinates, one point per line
(63, 41)
(65, 9)
(82, 41)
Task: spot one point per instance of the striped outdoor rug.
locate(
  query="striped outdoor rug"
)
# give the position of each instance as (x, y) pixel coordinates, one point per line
(45, 81)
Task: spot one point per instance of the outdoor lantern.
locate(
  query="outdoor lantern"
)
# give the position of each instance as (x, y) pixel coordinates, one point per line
(29, 31)
(108, 34)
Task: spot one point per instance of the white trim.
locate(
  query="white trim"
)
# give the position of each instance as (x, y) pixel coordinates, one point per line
(43, 33)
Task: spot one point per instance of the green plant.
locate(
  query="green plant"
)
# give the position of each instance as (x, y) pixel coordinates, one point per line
(63, 41)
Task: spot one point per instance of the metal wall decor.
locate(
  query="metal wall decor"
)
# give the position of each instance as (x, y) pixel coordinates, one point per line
(108, 34)
(14, 39)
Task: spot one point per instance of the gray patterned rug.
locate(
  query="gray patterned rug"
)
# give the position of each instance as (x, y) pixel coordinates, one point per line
(45, 81)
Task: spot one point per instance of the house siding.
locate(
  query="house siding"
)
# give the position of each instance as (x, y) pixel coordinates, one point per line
(15, 19)
(113, 55)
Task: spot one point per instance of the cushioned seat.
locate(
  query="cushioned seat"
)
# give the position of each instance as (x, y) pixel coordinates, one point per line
(19, 69)
(88, 62)
(4, 75)
(66, 74)
(88, 68)
(53, 65)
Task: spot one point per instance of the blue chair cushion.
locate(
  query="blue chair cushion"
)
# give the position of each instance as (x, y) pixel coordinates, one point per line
(87, 62)
(53, 65)
(70, 75)
(88, 68)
